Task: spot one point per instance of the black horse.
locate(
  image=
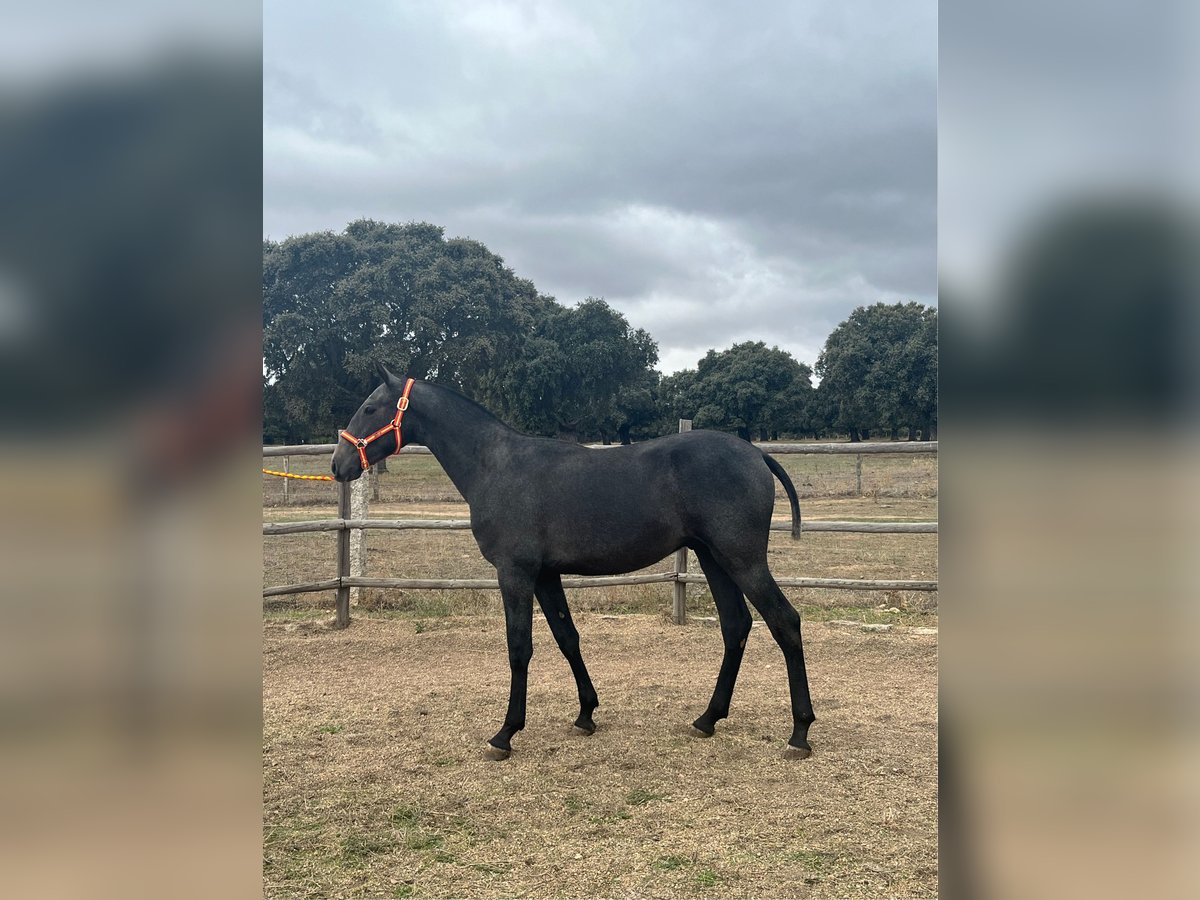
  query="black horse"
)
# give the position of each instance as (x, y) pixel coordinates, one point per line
(543, 508)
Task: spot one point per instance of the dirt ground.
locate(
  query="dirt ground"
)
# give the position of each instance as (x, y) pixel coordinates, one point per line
(375, 784)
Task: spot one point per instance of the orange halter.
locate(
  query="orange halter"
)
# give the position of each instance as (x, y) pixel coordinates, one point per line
(360, 444)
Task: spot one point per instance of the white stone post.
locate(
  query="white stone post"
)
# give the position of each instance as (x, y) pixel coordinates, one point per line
(359, 491)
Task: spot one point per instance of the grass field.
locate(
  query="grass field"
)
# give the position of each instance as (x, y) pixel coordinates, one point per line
(375, 784)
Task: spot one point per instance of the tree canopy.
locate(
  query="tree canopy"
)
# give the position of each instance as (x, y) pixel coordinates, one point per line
(584, 371)
(335, 304)
(450, 311)
(879, 370)
(444, 310)
(755, 389)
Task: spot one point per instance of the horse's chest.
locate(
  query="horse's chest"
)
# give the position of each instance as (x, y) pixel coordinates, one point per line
(503, 531)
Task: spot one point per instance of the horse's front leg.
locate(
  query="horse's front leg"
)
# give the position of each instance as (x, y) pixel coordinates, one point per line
(516, 587)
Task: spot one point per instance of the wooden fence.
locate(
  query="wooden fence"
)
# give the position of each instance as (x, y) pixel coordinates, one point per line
(678, 576)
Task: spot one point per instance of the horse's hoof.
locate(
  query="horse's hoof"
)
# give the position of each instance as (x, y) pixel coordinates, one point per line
(699, 732)
(495, 753)
(584, 729)
(790, 752)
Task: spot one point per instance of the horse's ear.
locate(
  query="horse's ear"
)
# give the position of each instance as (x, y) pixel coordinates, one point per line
(388, 378)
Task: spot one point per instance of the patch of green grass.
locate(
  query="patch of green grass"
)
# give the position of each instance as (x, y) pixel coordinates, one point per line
(422, 840)
(443, 857)
(445, 761)
(572, 804)
(404, 890)
(420, 626)
(329, 729)
(812, 860)
(670, 863)
(640, 797)
(357, 847)
(706, 879)
(288, 834)
(463, 826)
(405, 816)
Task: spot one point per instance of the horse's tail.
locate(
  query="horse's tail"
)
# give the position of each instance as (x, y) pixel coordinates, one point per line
(779, 472)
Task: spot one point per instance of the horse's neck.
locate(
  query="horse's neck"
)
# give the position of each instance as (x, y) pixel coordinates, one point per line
(463, 438)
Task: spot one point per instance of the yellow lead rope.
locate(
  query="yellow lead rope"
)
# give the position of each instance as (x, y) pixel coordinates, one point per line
(300, 477)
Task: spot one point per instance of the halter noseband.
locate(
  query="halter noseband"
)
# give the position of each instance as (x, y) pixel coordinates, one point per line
(360, 444)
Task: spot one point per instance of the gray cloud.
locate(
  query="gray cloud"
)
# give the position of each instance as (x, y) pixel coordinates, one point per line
(715, 173)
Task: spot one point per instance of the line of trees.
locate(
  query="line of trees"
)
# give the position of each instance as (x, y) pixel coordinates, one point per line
(450, 311)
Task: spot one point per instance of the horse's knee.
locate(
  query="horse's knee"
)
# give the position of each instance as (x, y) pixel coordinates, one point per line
(520, 655)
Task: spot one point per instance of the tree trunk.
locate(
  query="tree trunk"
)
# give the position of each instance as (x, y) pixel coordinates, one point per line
(623, 431)
(895, 432)
(744, 433)
(853, 435)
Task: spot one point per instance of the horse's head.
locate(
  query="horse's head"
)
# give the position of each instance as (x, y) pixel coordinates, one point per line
(375, 430)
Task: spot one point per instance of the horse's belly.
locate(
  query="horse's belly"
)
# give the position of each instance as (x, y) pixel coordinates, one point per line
(611, 554)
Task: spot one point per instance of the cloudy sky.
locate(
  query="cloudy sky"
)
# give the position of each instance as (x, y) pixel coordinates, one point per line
(718, 172)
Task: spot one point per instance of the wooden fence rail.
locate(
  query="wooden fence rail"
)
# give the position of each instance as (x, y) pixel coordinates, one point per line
(678, 576)
(465, 525)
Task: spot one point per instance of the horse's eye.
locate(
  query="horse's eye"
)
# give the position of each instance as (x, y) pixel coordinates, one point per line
(369, 410)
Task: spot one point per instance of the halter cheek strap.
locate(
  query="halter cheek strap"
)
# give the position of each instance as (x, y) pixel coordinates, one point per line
(360, 444)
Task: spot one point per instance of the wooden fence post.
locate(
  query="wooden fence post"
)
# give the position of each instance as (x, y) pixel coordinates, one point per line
(858, 474)
(679, 606)
(342, 616)
(287, 492)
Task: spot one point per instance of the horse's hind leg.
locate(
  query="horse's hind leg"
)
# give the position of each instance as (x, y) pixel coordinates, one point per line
(784, 622)
(553, 601)
(735, 628)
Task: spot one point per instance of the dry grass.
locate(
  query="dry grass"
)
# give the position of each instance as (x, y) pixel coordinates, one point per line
(375, 784)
